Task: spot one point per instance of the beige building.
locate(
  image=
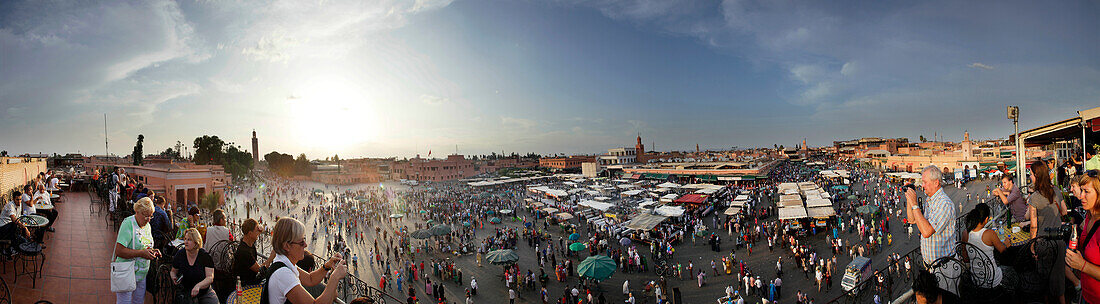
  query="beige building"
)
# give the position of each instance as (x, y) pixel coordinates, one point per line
(178, 182)
(17, 171)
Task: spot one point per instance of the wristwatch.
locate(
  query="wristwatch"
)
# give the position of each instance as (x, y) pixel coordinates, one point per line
(915, 207)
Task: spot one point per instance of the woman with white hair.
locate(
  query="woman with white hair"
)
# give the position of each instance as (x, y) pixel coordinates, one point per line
(135, 242)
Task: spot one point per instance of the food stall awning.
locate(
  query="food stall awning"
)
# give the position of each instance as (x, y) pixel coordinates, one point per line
(646, 204)
(602, 198)
(821, 212)
(644, 221)
(706, 191)
(595, 205)
(732, 211)
(738, 203)
(818, 202)
(632, 192)
(564, 216)
(550, 209)
(668, 185)
(670, 211)
(742, 197)
(790, 213)
(692, 199)
(662, 190)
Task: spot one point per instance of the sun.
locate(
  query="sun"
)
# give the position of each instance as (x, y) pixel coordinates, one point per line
(332, 114)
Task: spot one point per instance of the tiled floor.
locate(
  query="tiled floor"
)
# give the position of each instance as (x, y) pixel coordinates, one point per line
(77, 259)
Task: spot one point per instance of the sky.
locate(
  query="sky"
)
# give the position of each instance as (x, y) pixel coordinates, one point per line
(398, 78)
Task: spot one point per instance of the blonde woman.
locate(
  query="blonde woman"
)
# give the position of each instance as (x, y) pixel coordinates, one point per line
(285, 284)
(1086, 258)
(193, 270)
(135, 242)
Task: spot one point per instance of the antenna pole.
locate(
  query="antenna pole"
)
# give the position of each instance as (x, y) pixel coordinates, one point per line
(106, 145)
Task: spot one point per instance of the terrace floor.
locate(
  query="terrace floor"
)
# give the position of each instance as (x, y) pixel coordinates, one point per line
(77, 267)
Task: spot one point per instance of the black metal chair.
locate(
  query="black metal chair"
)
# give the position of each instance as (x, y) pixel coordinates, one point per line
(29, 255)
(977, 284)
(5, 294)
(222, 253)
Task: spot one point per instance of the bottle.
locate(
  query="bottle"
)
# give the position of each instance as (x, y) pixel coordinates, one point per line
(1073, 239)
(239, 291)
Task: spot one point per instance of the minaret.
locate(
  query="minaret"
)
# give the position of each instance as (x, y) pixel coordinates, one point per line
(639, 150)
(255, 149)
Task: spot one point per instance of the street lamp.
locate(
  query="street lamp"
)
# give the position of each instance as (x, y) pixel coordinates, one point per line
(1014, 115)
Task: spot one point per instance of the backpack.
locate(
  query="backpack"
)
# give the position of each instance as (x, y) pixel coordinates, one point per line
(266, 278)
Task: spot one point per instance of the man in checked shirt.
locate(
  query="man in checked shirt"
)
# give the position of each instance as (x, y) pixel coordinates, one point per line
(936, 221)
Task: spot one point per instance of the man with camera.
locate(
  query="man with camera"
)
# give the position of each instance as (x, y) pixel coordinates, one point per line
(936, 220)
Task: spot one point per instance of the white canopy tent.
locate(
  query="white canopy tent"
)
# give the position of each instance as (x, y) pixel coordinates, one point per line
(670, 211)
(790, 213)
(819, 202)
(668, 185)
(669, 197)
(820, 212)
(632, 192)
(595, 205)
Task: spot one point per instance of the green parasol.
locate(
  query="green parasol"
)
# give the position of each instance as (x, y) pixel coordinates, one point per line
(440, 229)
(599, 267)
(421, 234)
(502, 257)
(578, 246)
(867, 209)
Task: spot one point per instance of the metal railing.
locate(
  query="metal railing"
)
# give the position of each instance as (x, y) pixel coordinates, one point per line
(887, 283)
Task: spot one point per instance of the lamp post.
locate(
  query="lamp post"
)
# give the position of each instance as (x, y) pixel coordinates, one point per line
(1014, 115)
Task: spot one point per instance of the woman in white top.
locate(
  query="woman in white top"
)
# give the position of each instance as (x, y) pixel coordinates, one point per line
(285, 284)
(986, 240)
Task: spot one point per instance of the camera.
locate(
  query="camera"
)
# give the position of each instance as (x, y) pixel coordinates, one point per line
(1061, 233)
(906, 187)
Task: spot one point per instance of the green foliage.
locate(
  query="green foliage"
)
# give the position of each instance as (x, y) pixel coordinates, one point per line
(208, 150)
(302, 166)
(280, 164)
(138, 155)
(211, 150)
(210, 201)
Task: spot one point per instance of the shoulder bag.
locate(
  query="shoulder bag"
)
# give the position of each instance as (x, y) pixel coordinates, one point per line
(123, 276)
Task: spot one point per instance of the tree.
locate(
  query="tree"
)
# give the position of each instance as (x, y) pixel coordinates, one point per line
(922, 139)
(336, 158)
(238, 162)
(210, 201)
(171, 153)
(280, 164)
(208, 150)
(4, 153)
(302, 166)
(137, 155)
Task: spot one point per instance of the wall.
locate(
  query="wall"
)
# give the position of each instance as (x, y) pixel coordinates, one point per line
(16, 172)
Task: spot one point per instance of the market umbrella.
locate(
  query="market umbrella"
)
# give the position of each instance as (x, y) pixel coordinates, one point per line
(502, 257)
(578, 246)
(495, 220)
(420, 234)
(488, 211)
(598, 267)
(431, 221)
(466, 224)
(423, 211)
(867, 209)
(851, 197)
(506, 211)
(396, 215)
(624, 241)
(440, 229)
(574, 237)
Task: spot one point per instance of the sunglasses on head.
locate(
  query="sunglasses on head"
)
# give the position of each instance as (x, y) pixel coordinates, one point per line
(1092, 173)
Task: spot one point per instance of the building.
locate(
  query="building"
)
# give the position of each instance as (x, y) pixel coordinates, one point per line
(436, 170)
(178, 182)
(255, 149)
(565, 163)
(618, 156)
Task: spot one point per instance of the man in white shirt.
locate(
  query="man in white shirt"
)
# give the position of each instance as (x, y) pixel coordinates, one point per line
(9, 223)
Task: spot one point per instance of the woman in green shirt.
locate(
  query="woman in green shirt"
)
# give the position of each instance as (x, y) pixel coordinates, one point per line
(135, 242)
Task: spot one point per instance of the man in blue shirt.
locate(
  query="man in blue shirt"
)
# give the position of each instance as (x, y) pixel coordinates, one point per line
(161, 223)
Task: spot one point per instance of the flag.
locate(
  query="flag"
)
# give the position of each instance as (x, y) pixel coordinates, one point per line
(429, 152)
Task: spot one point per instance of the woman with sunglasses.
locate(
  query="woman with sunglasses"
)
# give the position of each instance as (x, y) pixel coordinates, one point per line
(285, 283)
(1086, 258)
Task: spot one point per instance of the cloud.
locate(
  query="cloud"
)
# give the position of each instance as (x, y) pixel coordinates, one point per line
(434, 100)
(518, 122)
(980, 65)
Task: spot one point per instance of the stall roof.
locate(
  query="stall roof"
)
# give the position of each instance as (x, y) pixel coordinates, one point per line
(632, 192)
(692, 199)
(741, 197)
(732, 211)
(821, 212)
(706, 191)
(645, 221)
(668, 185)
(701, 186)
(738, 203)
(670, 211)
(595, 205)
(788, 213)
(564, 216)
(818, 202)
(661, 190)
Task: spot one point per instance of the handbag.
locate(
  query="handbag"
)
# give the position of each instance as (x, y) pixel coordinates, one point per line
(123, 276)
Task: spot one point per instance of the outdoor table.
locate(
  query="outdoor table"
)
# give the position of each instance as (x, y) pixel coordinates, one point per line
(55, 196)
(248, 296)
(34, 221)
(1016, 237)
(43, 206)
